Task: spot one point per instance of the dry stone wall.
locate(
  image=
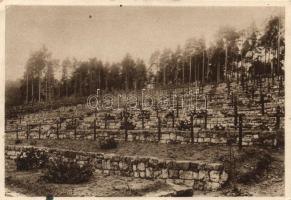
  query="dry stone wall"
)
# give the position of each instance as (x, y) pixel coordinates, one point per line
(220, 112)
(197, 174)
(167, 136)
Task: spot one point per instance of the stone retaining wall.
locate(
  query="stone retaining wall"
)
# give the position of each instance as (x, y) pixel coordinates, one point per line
(197, 174)
(167, 136)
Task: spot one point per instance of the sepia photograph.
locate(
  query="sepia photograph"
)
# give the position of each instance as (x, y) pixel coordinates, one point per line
(149, 101)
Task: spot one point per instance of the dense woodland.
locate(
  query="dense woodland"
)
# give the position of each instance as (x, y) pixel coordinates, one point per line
(251, 52)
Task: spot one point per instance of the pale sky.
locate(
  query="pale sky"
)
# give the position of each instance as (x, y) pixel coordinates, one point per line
(111, 32)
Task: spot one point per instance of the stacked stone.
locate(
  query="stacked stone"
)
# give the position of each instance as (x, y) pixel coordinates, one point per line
(219, 111)
(168, 136)
(197, 174)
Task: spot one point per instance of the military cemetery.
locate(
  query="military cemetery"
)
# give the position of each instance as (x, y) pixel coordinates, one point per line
(200, 119)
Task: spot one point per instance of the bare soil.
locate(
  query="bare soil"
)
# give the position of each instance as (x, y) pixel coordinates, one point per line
(270, 184)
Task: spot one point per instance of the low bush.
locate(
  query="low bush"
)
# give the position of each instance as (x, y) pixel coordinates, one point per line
(144, 114)
(31, 159)
(170, 115)
(267, 138)
(263, 127)
(33, 142)
(109, 117)
(108, 144)
(72, 124)
(184, 125)
(257, 161)
(67, 172)
(130, 126)
(18, 141)
(218, 127)
(201, 113)
(123, 114)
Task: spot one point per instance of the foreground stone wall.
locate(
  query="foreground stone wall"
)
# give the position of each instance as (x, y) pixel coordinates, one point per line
(197, 174)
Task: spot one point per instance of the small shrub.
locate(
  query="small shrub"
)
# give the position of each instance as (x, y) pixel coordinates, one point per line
(170, 115)
(257, 161)
(122, 114)
(202, 113)
(33, 142)
(144, 114)
(18, 141)
(184, 125)
(173, 142)
(31, 159)
(218, 127)
(81, 117)
(71, 124)
(69, 172)
(266, 138)
(234, 191)
(130, 125)
(231, 141)
(263, 127)
(108, 144)
(62, 119)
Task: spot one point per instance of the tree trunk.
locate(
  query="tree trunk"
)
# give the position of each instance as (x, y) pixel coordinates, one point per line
(39, 87)
(75, 87)
(59, 90)
(218, 74)
(225, 63)
(106, 83)
(32, 89)
(26, 86)
(66, 84)
(99, 78)
(80, 85)
(49, 88)
(278, 48)
(183, 73)
(90, 83)
(203, 69)
(190, 70)
(46, 89)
